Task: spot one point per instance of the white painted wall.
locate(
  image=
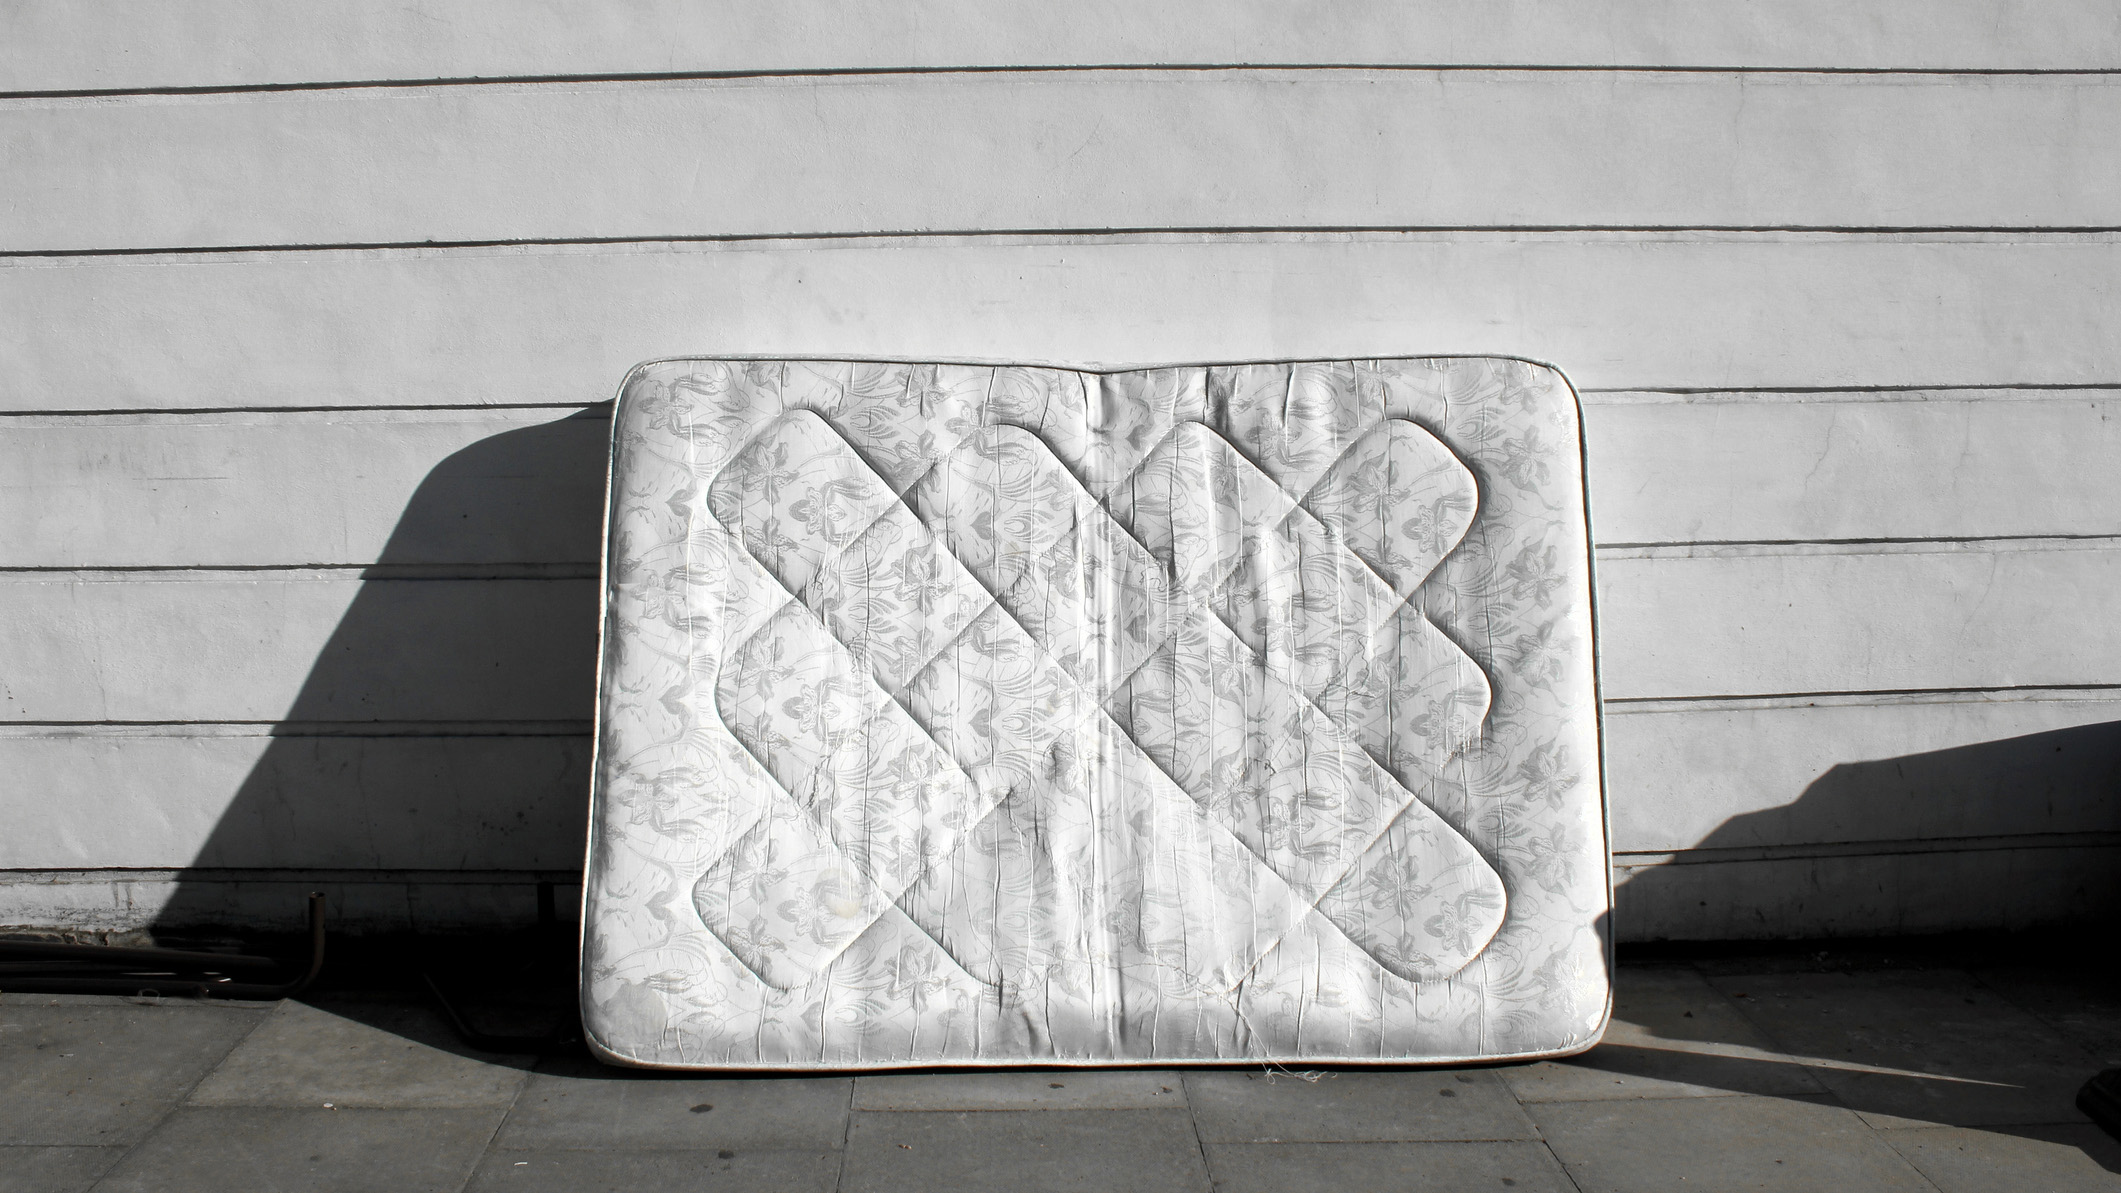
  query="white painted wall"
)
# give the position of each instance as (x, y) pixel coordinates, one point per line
(311, 311)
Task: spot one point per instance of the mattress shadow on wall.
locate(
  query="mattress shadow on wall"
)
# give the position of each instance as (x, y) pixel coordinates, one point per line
(2009, 834)
(434, 766)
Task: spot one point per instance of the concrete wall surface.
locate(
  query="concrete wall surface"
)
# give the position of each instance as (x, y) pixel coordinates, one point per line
(313, 314)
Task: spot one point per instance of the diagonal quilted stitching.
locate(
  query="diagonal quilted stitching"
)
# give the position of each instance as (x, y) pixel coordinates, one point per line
(1237, 723)
(1010, 718)
(1400, 501)
(887, 621)
(807, 695)
(1097, 808)
(1077, 582)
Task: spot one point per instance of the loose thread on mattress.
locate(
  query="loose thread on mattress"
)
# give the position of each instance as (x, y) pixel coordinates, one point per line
(1310, 1076)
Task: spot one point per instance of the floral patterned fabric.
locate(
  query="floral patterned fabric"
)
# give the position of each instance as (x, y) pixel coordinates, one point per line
(960, 714)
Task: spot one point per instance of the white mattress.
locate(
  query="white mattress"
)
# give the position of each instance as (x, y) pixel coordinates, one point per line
(971, 714)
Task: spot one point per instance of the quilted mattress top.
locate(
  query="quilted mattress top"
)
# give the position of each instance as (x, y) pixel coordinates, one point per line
(976, 714)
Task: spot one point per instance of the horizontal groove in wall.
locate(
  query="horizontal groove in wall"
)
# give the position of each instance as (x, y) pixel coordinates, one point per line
(1083, 68)
(564, 324)
(1992, 545)
(1091, 235)
(1150, 152)
(1827, 392)
(1829, 395)
(1839, 849)
(1657, 550)
(1122, 238)
(2103, 693)
(1621, 395)
(1650, 706)
(1615, 395)
(186, 874)
(1627, 861)
(1622, 705)
(1988, 392)
(1792, 620)
(587, 570)
(333, 729)
(1694, 476)
(1644, 706)
(132, 414)
(592, 569)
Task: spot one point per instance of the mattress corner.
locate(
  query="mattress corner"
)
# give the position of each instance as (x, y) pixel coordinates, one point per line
(593, 1039)
(1552, 383)
(1567, 1045)
(639, 376)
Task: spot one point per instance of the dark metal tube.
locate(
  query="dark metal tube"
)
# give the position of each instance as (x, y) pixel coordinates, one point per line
(103, 954)
(85, 959)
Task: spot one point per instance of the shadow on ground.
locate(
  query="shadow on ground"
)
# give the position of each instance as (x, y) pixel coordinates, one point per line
(1942, 1043)
(1990, 1032)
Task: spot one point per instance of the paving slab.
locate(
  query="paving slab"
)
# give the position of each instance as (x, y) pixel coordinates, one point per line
(1672, 1036)
(584, 1105)
(2067, 1158)
(1024, 1151)
(222, 1149)
(1923, 1046)
(2084, 1007)
(1844, 957)
(25, 1169)
(1701, 1145)
(20, 999)
(359, 1053)
(1074, 1089)
(657, 1172)
(1355, 1106)
(104, 1073)
(1385, 1167)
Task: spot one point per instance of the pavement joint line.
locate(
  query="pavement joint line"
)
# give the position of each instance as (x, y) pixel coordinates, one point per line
(492, 1137)
(1200, 1146)
(1556, 1156)
(1714, 978)
(183, 1099)
(839, 1179)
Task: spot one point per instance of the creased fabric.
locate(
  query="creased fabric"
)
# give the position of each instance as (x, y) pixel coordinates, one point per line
(971, 714)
